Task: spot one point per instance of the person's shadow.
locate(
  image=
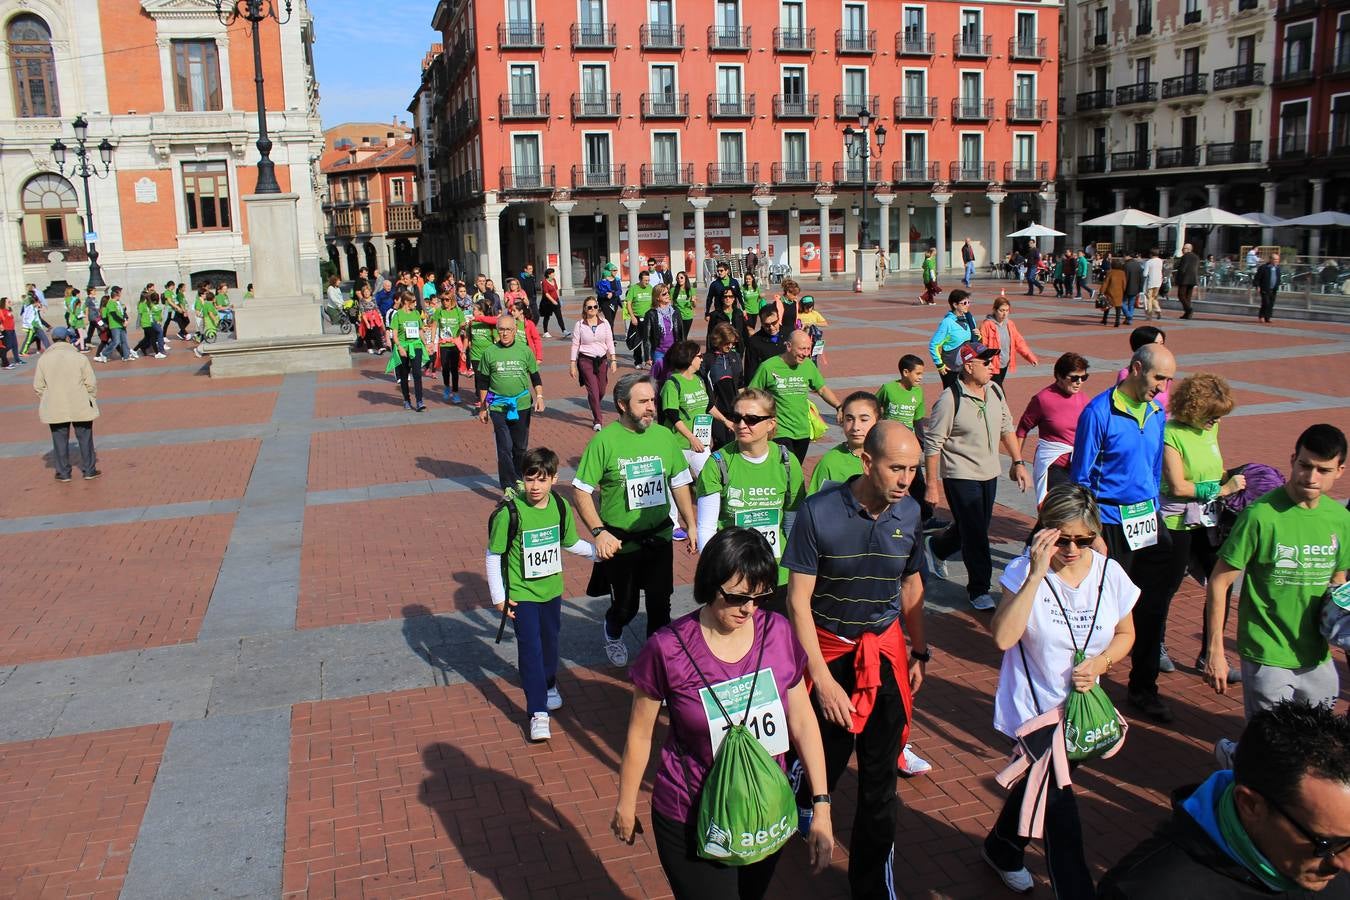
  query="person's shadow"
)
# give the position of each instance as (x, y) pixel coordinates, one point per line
(484, 484)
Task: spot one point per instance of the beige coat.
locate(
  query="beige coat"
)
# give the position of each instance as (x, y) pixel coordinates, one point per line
(66, 385)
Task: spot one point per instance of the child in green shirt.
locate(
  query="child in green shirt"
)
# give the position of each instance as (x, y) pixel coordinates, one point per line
(527, 533)
(902, 401)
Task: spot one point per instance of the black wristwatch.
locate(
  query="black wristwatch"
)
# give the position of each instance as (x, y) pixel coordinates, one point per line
(820, 798)
(595, 532)
(921, 655)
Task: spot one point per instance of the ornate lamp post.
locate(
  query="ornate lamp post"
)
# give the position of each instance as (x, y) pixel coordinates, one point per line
(85, 167)
(858, 145)
(255, 12)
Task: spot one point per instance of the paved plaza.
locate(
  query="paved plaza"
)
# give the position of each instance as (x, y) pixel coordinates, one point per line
(256, 658)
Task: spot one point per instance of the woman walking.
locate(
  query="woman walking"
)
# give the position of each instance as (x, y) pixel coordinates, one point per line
(723, 376)
(593, 355)
(682, 296)
(728, 638)
(929, 275)
(1052, 412)
(405, 339)
(956, 328)
(999, 332)
(751, 298)
(550, 304)
(729, 313)
(658, 330)
(68, 398)
(9, 341)
(1064, 621)
(1113, 291)
(684, 410)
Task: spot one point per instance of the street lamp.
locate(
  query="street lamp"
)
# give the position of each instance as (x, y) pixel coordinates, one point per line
(84, 167)
(858, 145)
(255, 12)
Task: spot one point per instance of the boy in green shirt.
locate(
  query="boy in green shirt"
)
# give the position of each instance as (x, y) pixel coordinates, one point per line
(860, 411)
(902, 400)
(526, 536)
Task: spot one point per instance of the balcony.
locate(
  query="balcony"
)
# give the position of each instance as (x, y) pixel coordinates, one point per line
(35, 252)
(796, 106)
(1191, 17)
(527, 179)
(403, 219)
(523, 106)
(1026, 172)
(590, 105)
(851, 172)
(1092, 164)
(915, 172)
(1295, 7)
(1143, 29)
(599, 178)
(913, 43)
(1142, 92)
(1089, 101)
(915, 109)
(1130, 161)
(1185, 86)
(1294, 146)
(661, 37)
(731, 106)
(1234, 153)
(1025, 48)
(847, 41)
(1100, 40)
(798, 173)
(666, 175)
(972, 109)
(1296, 71)
(735, 40)
(968, 45)
(1178, 157)
(1251, 75)
(971, 172)
(847, 106)
(519, 36)
(794, 40)
(1027, 110)
(594, 36)
(733, 174)
(665, 106)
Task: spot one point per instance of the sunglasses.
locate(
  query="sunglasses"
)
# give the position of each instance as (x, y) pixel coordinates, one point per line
(743, 599)
(748, 418)
(1077, 379)
(1082, 543)
(1328, 848)
(591, 306)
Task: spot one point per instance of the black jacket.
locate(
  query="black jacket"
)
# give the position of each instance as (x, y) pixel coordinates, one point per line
(715, 290)
(1187, 270)
(736, 320)
(758, 348)
(1263, 277)
(1182, 862)
(1134, 277)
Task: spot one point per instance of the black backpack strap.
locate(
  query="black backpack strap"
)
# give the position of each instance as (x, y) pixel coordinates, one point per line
(512, 530)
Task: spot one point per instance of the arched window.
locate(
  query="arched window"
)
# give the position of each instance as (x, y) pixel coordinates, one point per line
(51, 217)
(30, 58)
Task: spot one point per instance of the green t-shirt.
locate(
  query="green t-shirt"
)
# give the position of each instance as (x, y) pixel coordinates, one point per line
(689, 398)
(222, 300)
(448, 322)
(791, 388)
(1138, 409)
(758, 494)
(753, 301)
(508, 371)
(536, 550)
(481, 336)
(838, 464)
(639, 299)
(145, 313)
(902, 404)
(684, 304)
(929, 270)
(115, 314)
(1290, 554)
(75, 312)
(1200, 457)
(634, 474)
(406, 328)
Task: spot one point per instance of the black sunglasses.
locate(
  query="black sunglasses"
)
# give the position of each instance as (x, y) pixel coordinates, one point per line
(1328, 848)
(591, 306)
(742, 599)
(748, 418)
(1077, 379)
(1081, 543)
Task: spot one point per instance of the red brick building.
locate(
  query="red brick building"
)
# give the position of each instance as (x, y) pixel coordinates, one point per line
(371, 205)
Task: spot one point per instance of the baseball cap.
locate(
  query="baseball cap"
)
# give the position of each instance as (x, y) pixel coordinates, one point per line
(973, 350)
(62, 333)
(610, 267)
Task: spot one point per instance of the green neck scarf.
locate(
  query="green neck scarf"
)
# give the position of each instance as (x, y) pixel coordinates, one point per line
(1240, 844)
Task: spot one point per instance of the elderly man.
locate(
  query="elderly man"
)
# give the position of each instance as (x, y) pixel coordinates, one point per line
(1268, 283)
(507, 379)
(67, 392)
(1187, 277)
(790, 377)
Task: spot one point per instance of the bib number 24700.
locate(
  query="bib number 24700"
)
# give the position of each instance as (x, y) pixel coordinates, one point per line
(1139, 521)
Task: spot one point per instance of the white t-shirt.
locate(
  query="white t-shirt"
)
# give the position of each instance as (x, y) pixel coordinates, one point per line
(1049, 651)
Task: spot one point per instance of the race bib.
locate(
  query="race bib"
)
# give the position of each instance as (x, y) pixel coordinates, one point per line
(542, 552)
(767, 522)
(767, 720)
(645, 484)
(703, 429)
(820, 347)
(411, 330)
(1209, 514)
(1140, 524)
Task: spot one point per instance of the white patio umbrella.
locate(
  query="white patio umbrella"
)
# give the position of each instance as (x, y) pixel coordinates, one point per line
(1210, 216)
(1321, 220)
(1266, 220)
(1128, 218)
(1035, 230)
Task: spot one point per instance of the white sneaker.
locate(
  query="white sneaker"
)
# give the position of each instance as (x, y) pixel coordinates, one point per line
(539, 727)
(597, 426)
(135, 355)
(936, 566)
(100, 359)
(1224, 751)
(547, 335)
(197, 351)
(566, 333)
(984, 602)
(160, 356)
(912, 764)
(1019, 880)
(616, 650)
(554, 700)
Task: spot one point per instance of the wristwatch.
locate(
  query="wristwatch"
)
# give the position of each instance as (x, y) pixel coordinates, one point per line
(595, 532)
(921, 655)
(820, 798)
(1019, 462)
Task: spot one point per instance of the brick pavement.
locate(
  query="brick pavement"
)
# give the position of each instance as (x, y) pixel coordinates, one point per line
(171, 414)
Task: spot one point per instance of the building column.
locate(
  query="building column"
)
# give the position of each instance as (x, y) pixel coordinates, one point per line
(794, 237)
(884, 202)
(995, 249)
(635, 261)
(492, 243)
(764, 202)
(1118, 234)
(1074, 213)
(904, 250)
(1214, 243)
(1315, 235)
(940, 231)
(12, 255)
(825, 200)
(564, 210)
(700, 238)
(1049, 200)
(1268, 207)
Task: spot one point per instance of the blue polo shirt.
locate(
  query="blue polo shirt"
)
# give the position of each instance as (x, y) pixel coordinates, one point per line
(858, 561)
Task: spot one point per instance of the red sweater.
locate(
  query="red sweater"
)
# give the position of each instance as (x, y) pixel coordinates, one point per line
(868, 652)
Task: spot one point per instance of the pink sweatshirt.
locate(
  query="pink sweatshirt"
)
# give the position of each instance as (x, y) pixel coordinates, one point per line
(1053, 416)
(595, 341)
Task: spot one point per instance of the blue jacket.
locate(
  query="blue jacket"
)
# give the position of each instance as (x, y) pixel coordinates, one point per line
(951, 333)
(606, 285)
(384, 301)
(1116, 460)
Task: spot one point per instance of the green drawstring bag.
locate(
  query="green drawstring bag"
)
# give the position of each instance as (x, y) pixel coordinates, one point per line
(815, 422)
(746, 808)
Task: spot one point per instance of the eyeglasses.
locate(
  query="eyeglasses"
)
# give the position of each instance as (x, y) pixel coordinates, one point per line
(1082, 543)
(1328, 848)
(748, 418)
(743, 599)
(1077, 379)
(590, 306)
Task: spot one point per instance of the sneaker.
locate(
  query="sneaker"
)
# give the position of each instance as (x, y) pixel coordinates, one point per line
(912, 764)
(615, 649)
(1151, 706)
(680, 534)
(566, 333)
(596, 427)
(11, 366)
(984, 602)
(90, 476)
(62, 478)
(1234, 672)
(160, 356)
(1019, 881)
(100, 359)
(454, 398)
(135, 355)
(547, 335)
(445, 395)
(1224, 751)
(407, 405)
(554, 700)
(1165, 663)
(197, 351)
(936, 566)
(539, 727)
(421, 407)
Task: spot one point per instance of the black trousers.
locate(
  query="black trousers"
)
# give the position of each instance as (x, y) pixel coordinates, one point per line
(513, 439)
(1070, 878)
(1184, 293)
(450, 366)
(949, 378)
(648, 570)
(84, 434)
(692, 877)
(972, 506)
(798, 446)
(878, 746)
(1118, 549)
(548, 309)
(410, 365)
(1267, 305)
(1158, 571)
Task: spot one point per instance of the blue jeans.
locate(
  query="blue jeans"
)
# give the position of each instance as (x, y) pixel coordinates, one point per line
(970, 273)
(1130, 301)
(537, 626)
(119, 342)
(513, 439)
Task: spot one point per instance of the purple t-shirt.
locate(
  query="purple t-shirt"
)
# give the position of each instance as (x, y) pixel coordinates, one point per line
(663, 670)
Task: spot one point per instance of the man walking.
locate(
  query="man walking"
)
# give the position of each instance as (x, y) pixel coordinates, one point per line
(968, 259)
(530, 286)
(1134, 285)
(1153, 274)
(960, 444)
(719, 284)
(506, 375)
(67, 392)
(1186, 278)
(1034, 285)
(1268, 283)
(790, 378)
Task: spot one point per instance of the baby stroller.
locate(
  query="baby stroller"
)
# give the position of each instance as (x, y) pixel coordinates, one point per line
(344, 319)
(226, 323)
